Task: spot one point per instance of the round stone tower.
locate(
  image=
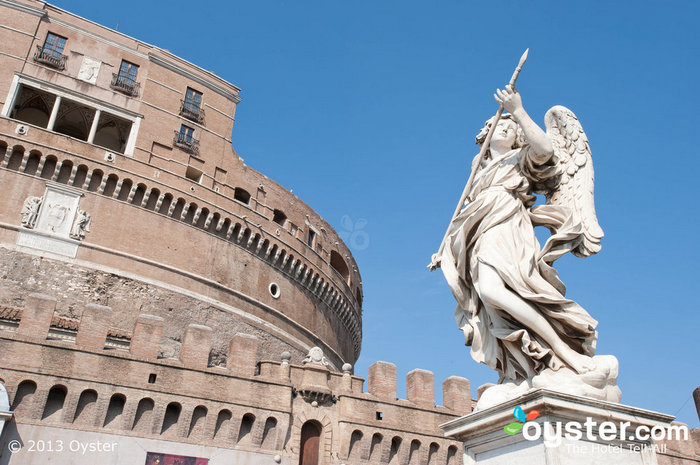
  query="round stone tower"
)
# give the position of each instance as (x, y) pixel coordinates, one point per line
(121, 187)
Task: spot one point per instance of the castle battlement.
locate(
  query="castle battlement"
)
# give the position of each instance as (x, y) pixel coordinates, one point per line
(84, 382)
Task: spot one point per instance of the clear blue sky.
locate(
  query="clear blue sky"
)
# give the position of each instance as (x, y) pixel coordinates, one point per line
(369, 109)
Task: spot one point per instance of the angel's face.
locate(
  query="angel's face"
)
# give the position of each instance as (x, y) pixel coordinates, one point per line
(505, 135)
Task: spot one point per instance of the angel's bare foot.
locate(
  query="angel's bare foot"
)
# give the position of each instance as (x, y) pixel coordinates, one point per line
(579, 362)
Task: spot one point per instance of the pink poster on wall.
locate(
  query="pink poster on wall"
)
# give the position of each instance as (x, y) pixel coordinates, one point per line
(156, 458)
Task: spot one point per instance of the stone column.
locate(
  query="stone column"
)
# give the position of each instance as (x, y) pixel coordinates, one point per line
(54, 113)
(93, 128)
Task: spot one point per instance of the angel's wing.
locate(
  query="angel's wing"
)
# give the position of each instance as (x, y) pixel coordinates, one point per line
(575, 187)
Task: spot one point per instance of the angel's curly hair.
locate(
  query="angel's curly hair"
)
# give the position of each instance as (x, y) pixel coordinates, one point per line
(520, 140)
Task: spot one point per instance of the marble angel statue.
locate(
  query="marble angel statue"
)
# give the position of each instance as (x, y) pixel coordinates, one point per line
(511, 304)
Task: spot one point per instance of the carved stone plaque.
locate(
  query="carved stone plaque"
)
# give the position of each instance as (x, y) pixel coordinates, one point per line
(89, 70)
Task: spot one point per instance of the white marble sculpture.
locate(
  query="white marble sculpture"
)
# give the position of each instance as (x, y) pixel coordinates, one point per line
(30, 211)
(81, 225)
(511, 303)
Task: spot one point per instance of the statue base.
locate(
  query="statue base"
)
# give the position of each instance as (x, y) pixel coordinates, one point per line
(566, 429)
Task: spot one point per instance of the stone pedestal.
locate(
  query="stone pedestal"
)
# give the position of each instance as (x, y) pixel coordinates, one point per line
(610, 433)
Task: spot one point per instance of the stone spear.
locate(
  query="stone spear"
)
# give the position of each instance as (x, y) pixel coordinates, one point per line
(482, 153)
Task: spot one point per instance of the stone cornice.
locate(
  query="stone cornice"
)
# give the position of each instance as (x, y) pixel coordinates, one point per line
(40, 12)
(190, 75)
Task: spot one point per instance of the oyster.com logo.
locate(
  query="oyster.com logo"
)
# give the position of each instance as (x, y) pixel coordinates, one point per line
(519, 414)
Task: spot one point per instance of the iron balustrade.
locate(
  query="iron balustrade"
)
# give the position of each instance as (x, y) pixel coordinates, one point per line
(125, 84)
(191, 111)
(186, 142)
(50, 58)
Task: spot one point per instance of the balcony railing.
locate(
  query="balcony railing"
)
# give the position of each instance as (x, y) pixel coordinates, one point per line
(186, 143)
(192, 111)
(125, 84)
(50, 58)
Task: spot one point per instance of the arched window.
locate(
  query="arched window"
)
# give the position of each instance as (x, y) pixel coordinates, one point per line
(340, 266)
(309, 444)
(241, 195)
(179, 206)
(172, 415)
(86, 406)
(152, 199)
(125, 190)
(138, 195)
(202, 218)
(165, 204)
(279, 217)
(144, 415)
(54, 402)
(114, 411)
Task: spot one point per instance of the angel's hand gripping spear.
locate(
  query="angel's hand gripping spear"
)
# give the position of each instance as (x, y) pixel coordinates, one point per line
(435, 263)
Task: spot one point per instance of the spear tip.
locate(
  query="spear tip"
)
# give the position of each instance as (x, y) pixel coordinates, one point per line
(524, 57)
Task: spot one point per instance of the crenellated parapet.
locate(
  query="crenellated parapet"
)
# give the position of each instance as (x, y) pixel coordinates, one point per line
(79, 380)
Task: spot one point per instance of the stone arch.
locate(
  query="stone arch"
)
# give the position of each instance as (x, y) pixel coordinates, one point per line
(310, 444)
(55, 401)
(395, 450)
(338, 264)
(452, 456)
(203, 214)
(375, 448)
(179, 206)
(124, 190)
(171, 418)
(85, 410)
(215, 218)
(24, 397)
(191, 210)
(139, 194)
(32, 162)
(143, 419)
(433, 453)
(16, 157)
(153, 196)
(199, 417)
(115, 411)
(414, 453)
(64, 172)
(165, 204)
(110, 185)
(245, 431)
(49, 167)
(241, 195)
(223, 424)
(80, 176)
(270, 434)
(355, 446)
(224, 228)
(95, 180)
(326, 438)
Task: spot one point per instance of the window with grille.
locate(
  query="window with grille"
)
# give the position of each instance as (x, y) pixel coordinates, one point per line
(54, 45)
(127, 73)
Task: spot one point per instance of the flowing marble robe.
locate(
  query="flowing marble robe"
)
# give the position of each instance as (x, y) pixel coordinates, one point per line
(496, 227)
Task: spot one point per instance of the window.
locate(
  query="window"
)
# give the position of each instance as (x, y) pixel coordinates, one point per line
(186, 134)
(191, 107)
(51, 53)
(310, 238)
(279, 217)
(241, 195)
(125, 79)
(128, 72)
(54, 45)
(193, 174)
(193, 100)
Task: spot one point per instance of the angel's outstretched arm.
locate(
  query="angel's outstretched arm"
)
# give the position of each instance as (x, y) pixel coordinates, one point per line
(540, 144)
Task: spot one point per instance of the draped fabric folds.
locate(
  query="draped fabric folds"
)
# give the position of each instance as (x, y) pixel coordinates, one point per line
(496, 228)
